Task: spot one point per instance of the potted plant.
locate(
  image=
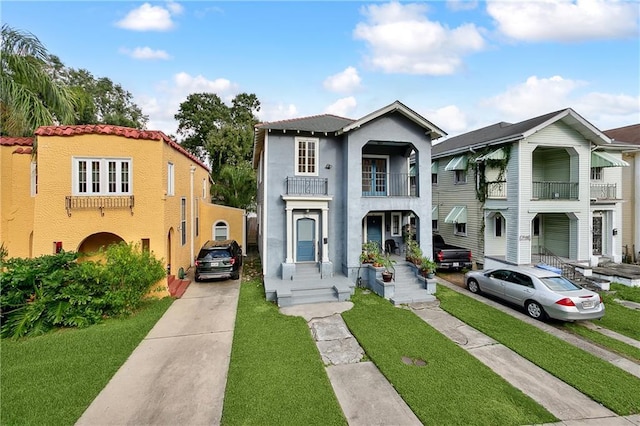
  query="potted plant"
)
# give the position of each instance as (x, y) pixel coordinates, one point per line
(370, 252)
(387, 263)
(427, 267)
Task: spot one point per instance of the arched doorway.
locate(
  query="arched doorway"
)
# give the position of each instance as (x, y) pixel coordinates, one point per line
(91, 245)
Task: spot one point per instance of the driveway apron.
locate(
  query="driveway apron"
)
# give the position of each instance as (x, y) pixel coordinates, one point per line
(178, 373)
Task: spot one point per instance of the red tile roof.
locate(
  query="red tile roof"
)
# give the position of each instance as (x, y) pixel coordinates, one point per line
(23, 151)
(12, 141)
(106, 129)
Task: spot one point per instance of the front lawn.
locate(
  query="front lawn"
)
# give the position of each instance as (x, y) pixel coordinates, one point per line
(453, 387)
(276, 375)
(52, 379)
(603, 382)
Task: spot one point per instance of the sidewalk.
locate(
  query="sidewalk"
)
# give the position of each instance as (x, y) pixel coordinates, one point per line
(178, 373)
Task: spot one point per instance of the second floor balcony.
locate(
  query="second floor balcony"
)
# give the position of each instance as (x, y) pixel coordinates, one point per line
(603, 191)
(388, 185)
(497, 190)
(306, 186)
(554, 190)
(99, 203)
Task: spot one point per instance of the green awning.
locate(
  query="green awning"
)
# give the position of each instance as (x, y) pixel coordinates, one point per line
(458, 214)
(434, 167)
(434, 212)
(412, 170)
(497, 154)
(604, 159)
(457, 163)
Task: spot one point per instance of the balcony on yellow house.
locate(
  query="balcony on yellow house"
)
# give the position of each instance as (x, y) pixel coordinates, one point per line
(99, 203)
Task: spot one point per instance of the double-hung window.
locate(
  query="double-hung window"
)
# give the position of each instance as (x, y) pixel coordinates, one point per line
(170, 179)
(307, 156)
(183, 221)
(102, 176)
(596, 173)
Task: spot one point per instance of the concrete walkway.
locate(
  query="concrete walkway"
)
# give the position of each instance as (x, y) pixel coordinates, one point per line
(178, 373)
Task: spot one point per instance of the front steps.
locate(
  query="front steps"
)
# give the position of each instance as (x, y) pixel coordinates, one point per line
(405, 287)
(307, 286)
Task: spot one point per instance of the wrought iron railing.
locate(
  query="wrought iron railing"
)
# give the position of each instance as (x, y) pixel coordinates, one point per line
(603, 191)
(547, 257)
(100, 203)
(306, 186)
(497, 189)
(389, 185)
(555, 190)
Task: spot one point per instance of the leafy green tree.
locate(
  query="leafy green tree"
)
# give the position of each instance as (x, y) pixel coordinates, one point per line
(29, 96)
(199, 115)
(236, 186)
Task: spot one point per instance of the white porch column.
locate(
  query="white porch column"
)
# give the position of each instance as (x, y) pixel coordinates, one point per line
(325, 235)
(289, 235)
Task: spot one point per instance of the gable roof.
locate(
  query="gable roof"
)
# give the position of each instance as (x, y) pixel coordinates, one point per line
(325, 123)
(502, 132)
(126, 132)
(401, 108)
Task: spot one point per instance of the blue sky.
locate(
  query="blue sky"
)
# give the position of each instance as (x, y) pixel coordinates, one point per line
(461, 64)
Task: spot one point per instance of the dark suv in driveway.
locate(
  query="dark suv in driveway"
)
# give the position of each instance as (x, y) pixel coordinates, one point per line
(219, 259)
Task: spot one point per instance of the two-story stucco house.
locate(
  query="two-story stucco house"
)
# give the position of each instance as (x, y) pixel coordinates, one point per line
(327, 184)
(92, 185)
(544, 186)
(627, 140)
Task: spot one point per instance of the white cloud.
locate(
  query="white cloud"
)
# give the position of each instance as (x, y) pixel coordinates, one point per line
(277, 112)
(539, 96)
(145, 53)
(401, 39)
(342, 107)
(534, 97)
(150, 18)
(168, 96)
(449, 118)
(551, 20)
(343, 82)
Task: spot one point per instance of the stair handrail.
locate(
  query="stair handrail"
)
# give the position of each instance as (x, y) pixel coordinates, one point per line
(549, 258)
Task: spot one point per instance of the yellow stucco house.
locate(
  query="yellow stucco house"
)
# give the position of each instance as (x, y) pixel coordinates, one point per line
(91, 185)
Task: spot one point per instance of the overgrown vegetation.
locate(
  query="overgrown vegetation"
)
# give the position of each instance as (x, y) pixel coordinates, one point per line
(276, 376)
(52, 379)
(621, 291)
(452, 387)
(602, 381)
(50, 291)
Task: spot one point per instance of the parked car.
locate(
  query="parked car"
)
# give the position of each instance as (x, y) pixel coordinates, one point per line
(219, 259)
(541, 292)
(447, 256)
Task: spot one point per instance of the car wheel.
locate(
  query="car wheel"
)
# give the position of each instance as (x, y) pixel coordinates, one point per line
(535, 311)
(235, 276)
(196, 278)
(473, 286)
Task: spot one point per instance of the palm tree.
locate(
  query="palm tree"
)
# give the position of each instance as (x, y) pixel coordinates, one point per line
(29, 95)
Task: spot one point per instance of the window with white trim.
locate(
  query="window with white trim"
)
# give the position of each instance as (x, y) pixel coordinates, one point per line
(460, 229)
(307, 156)
(596, 173)
(498, 225)
(170, 179)
(220, 231)
(460, 176)
(102, 176)
(183, 220)
(396, 229)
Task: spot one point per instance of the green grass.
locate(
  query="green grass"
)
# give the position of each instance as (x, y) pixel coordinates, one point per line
(600, 339)
(625, 292)
(454, 387)
(52, 379)
(619, 318)
(276, 375)
(614, 388)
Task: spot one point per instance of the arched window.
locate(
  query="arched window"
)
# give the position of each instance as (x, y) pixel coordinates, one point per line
(220, 231)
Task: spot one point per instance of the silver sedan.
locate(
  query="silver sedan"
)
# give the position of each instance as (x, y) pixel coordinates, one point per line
(542, 293)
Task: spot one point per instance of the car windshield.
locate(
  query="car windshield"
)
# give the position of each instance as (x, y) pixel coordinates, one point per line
(216, 254)
(559, 284)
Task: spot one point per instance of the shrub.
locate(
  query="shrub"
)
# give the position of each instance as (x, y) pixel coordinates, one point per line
(57, 291)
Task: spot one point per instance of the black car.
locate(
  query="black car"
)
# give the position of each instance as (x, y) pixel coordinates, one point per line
(219, 259)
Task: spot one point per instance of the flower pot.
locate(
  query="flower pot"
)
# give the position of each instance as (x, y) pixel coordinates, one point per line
(387, 276)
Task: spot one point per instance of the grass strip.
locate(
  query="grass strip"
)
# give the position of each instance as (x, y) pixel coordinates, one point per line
(51, 379)
(625, 292)
(276, 375)
(603, 382)
(604, 341)
(453, 387)
(620, 318)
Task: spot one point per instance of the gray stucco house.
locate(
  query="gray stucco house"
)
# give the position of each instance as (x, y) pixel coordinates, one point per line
(326, 185)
